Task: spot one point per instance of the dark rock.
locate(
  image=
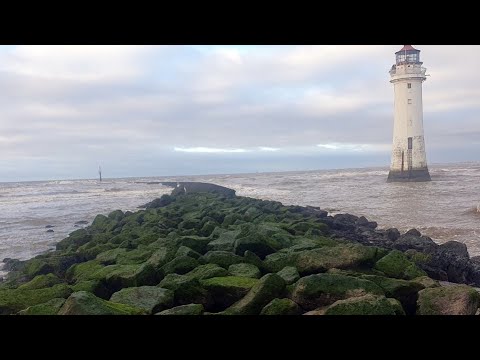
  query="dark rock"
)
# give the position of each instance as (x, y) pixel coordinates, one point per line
(452, 257)
(289, 274)
(49, 226)
(163, 201)
(397, 265)
(186, 290)
(49, 231)
(413, 232)
(362, 221)
(180, 265)
(222, 258)
(81, 222)
(245, 270)
(227, 290)
(392, 234)
(419, 243)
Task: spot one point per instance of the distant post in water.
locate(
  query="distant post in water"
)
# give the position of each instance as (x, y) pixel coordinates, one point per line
(100, 172)
(409, 160)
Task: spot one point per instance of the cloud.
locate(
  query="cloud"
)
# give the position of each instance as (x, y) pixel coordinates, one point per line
(265, 148)
(208, 150)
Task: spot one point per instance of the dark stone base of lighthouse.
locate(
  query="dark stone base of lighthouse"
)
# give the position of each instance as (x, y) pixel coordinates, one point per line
(416, 175)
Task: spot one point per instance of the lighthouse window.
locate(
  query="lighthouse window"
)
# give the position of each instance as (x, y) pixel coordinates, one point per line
(409, 85)
(409, 101)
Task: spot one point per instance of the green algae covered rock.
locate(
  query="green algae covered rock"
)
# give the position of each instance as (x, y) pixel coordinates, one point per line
(269, 287)
(180, 265)
(448, 300)
(281, 307)
(404, 291)
(85, 303)
(313, 291)
(395, 264)
(289, 274)
(40, 282)
(186, 290)
(245, 270)
(227, 290)
(150, 298)
(51, 307)
(190, 309)
(207, 271)
(186, 251)
(426, 282)
(321, 259)
(222, 258)
(15, 300)
(366, 305)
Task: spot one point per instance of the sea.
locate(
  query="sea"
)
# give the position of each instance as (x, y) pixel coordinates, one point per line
(447, 208)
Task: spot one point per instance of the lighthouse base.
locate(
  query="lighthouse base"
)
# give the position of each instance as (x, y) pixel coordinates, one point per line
(409, 176)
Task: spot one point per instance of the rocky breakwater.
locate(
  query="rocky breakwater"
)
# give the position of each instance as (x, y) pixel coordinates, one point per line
(204, 250)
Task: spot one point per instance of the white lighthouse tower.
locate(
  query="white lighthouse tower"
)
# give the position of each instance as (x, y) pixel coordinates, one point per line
(409, 161)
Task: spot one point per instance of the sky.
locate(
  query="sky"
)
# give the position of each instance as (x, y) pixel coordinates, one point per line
(185, 110)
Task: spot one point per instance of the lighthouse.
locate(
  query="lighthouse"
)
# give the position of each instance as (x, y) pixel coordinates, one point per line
(409, 160)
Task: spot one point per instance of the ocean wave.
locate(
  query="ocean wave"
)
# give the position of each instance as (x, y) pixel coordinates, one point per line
(114, 190)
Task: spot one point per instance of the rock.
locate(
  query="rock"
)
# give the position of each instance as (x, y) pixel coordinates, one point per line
(40, 282)
(404, 291)
(163, 201)
(150, 298)
(186, 290)
(84, 303)
(110, 257)
(452, 257)
(222, 258)
(81, 222)
(317, 312)
(180, 265)
(190, 309)
(366, 305)
(281, 307)
(426, 282)
(419, 243)
(14, 300)
(49, 231)
(392, 234)
(49, 226)
(225, 242)
(51, 307)
(186, 251)
(251, 258)
(362, 221)
(413, 232)
(449, 300)
(314, 291)
(245, 270)
(13, 264)
(396, 265)
(227, 290)
(36, 267)
(289, 274)
(74, 240)
(207, 271)
(322, 259)
(255, 244)
(268, 288)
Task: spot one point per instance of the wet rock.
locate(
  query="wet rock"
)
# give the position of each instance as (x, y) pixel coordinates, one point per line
(281, 307)
(49, 226)
(366, 305)
(81, 222)
(392, 234)
(49, 231)
(448, 300)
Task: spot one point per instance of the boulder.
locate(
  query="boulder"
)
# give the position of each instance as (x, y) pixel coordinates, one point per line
(14, 300)
(150, 298)
(426, 282)
(255, 244)
(411, 241)
(269, 287)
(281, 307)
(222, 258)
(452, 257)
(207, 271)
(85, 303)
(225, 242)
(448, 300)
(244, 270)
(404, 291)
(227, 290)
(395, 264)
(51, 307)
(186, 251)
(180, 265)
(289, 274)
(392, 234)
(314, 291)
(40, 282)
(366, 305)
(186, 290)
(190, 309)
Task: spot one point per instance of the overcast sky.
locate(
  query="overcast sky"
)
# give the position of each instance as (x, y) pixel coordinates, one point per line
(181, 110)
